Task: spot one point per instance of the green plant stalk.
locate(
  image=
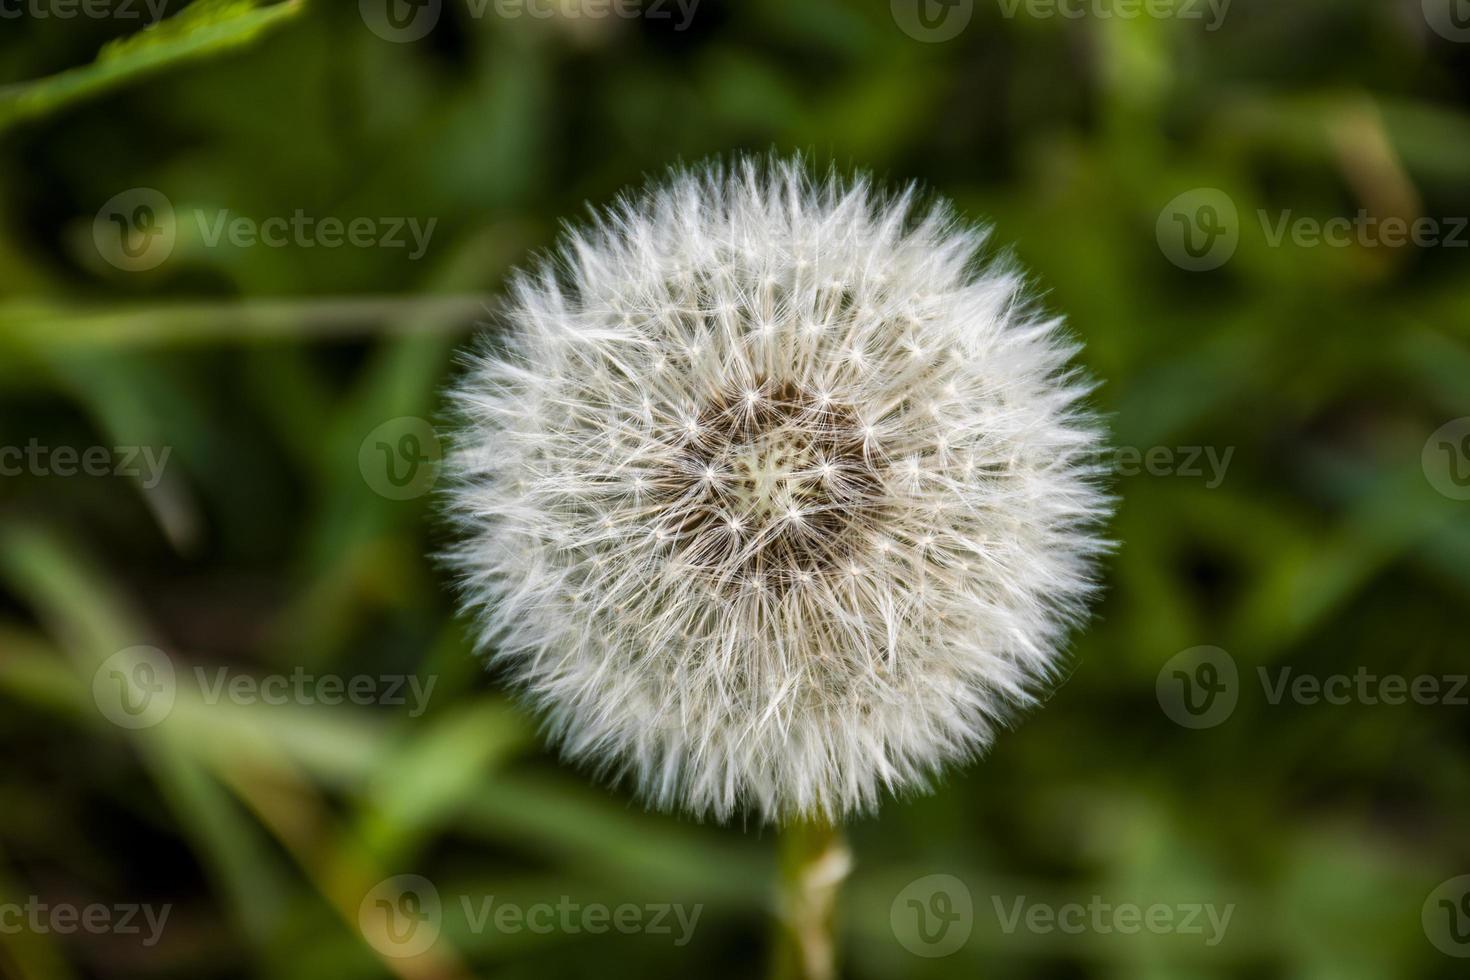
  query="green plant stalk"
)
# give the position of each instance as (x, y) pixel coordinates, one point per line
(814, 861)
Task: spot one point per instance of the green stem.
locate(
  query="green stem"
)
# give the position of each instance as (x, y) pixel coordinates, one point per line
(814, 862)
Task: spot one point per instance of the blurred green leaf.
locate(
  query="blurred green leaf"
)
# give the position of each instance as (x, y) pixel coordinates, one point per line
(204, 28)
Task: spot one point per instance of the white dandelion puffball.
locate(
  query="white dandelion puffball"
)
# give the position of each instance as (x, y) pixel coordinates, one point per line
(772, 496)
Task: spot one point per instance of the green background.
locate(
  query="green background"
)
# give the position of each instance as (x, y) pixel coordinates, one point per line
(1326, 547)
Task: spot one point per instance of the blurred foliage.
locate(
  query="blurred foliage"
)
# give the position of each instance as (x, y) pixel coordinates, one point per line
(203, 28)
(263, 548)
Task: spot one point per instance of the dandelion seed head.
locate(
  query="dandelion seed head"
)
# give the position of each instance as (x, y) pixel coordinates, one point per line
(772, 493)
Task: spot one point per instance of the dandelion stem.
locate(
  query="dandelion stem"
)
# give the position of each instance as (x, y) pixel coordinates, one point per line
(814, 862)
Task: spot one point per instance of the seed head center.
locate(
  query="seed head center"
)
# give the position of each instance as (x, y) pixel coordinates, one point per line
(773, 489)
(772, 475)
